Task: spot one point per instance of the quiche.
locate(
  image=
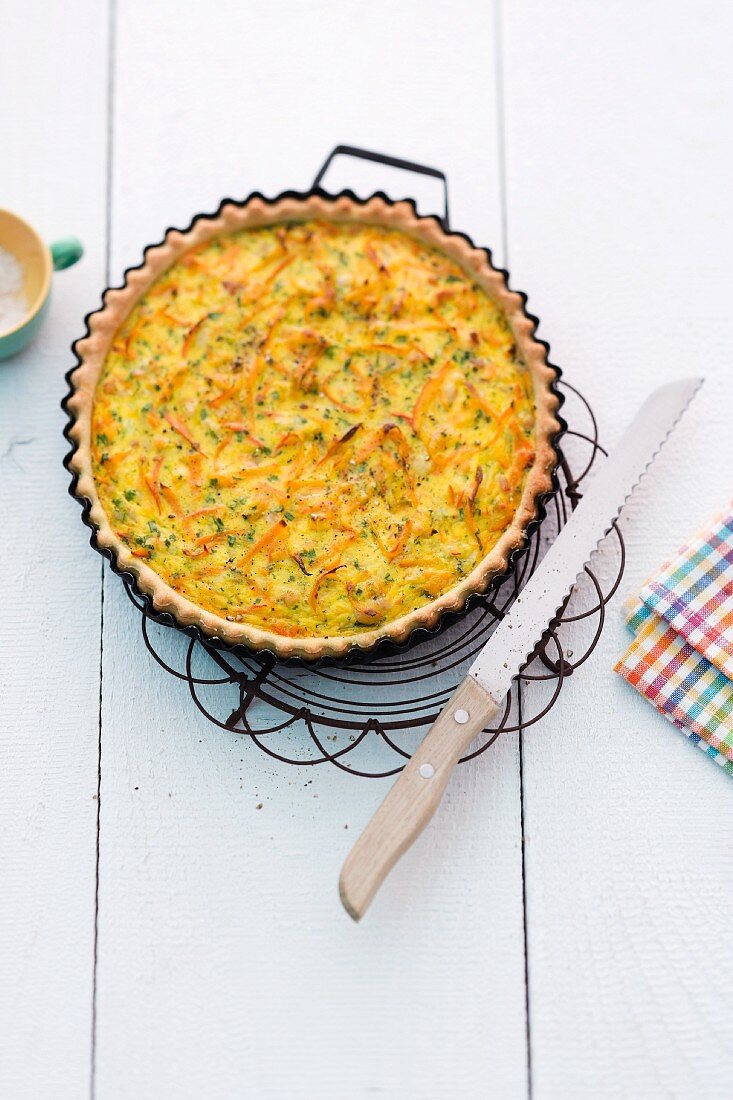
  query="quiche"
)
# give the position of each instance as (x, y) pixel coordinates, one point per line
(312, 424)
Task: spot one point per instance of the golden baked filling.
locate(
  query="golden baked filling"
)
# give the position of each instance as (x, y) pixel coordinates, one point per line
(314, 428)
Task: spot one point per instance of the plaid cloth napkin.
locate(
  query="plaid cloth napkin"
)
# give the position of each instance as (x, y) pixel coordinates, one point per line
(681, 658)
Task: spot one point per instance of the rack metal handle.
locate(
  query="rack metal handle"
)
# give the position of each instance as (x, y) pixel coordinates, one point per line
(391, 162)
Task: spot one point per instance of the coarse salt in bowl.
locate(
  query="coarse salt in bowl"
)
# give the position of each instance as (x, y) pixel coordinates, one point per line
(26, 266)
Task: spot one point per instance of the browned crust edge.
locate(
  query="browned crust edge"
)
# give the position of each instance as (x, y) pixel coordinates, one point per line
(92, 349)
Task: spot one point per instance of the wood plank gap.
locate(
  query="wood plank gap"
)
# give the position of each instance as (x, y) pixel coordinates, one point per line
(501, 130)
(93, 1061)
(111, 41)
(520, 711)
(503, 206)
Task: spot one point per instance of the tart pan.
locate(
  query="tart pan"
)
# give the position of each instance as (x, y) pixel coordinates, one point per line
(159, 600)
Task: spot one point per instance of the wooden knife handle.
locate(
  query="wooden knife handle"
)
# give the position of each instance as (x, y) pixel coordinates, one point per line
(415, 795)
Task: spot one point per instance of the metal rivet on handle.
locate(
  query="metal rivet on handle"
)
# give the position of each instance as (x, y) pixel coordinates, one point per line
(461, 716)
(427, 771)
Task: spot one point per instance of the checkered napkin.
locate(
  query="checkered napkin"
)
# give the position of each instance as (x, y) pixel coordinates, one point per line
(681, 657)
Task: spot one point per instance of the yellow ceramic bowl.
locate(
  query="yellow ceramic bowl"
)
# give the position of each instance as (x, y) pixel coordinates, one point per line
(38, 262)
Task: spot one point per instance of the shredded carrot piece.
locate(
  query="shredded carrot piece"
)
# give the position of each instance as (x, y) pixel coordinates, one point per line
(280, 267)
(170, 317)
(380, 265)
(173, 502)
(266, 468)
(288, 438)
(180, 427)
(483, 405)
(334, 554)
(240, 426)
(131, 336)
(169, 384)
(522, 458)
(112, 462)
(248, 610)
(336, 443)
(194, 468)
(217, 536)
(307, 486)
(270, 534)
(470, 521)
(212, 570)
(190, 258)
(378, 541)
(302, 459)
(204, 512)
(276, 254)
(265, 304)
(402, 445)
(401, 543)
(226, 394)
(396, 349)
(432, 384)
(150, 482)
(313, 597)
(191, 334)
(259, 362)
(316, 304)
(365, 613)
(141, 552)
(336, 400)
(269, 334)
(160, 288)
(224, 443)
(309, 362)
(437, 325)
(279, 627)
(478, 478)
(154, 483)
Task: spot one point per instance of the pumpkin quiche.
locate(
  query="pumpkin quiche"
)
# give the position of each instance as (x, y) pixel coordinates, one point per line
(312, 424)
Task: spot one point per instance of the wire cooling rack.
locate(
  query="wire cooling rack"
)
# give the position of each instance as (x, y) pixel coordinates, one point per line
(366, 718)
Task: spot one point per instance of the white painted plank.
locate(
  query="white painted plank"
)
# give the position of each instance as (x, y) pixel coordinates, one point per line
(226, 966)
(620, 226)
(52, 171)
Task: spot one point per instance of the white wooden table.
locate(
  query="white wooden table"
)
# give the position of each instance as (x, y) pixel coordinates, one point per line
(564, 929)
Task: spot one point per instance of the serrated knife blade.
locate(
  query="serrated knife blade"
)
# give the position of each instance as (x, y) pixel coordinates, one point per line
(539, 601)
(413, 799)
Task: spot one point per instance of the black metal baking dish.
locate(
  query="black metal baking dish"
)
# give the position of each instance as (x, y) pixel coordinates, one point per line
(386, 646)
